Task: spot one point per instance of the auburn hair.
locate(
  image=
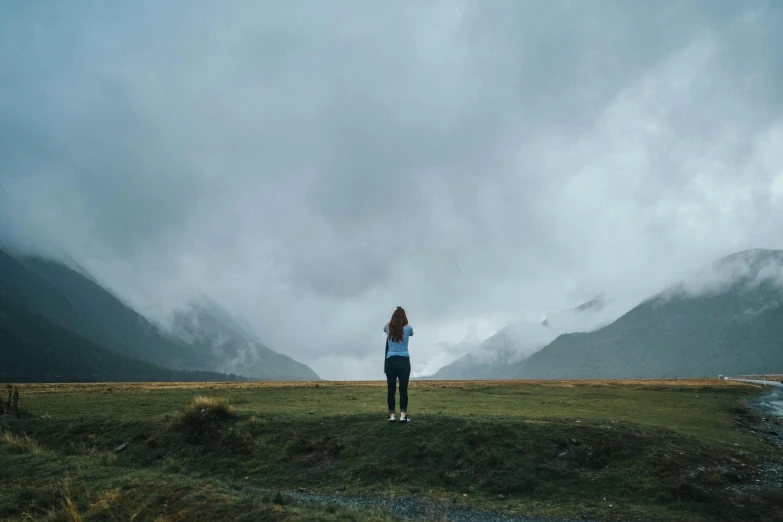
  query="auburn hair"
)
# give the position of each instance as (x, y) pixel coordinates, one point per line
(396, 325)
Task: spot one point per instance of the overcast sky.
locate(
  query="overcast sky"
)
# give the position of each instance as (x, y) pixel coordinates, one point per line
(313, 165)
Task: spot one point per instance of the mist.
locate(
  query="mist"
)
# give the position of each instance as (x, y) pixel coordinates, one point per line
(311, 166)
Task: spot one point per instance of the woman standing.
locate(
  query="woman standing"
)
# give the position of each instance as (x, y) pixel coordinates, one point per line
(398, 362)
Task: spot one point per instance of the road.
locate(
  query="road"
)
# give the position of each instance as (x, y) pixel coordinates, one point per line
(769, 403)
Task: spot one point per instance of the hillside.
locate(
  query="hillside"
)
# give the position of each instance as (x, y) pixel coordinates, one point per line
(34, 350)
(77, 304)
(726, 319)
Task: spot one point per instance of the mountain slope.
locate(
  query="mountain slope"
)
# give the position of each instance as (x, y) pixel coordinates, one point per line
(231, 343)
(76, 303)
(34, 350)
(727, 319)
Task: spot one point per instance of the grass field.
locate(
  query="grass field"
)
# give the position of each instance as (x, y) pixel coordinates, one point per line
(608, 450)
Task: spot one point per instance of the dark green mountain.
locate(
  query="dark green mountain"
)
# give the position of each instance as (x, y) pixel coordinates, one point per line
(78, 304)
(74, 302)
(34, 350)
(727, 319)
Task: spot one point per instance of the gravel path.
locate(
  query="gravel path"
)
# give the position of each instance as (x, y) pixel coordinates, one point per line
(416, 509)
(770, 405)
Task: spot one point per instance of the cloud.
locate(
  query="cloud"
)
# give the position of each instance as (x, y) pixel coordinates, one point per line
(312, 166)
(749, 269)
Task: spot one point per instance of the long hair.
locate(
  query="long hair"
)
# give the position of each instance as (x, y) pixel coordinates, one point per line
(398, 321)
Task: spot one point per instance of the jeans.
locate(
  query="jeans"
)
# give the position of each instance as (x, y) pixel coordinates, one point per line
(397, 367)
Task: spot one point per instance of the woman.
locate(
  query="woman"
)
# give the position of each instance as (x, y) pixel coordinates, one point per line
(398, 362)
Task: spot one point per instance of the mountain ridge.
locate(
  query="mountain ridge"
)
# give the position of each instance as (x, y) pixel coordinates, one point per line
(727, 319)
(33, 349)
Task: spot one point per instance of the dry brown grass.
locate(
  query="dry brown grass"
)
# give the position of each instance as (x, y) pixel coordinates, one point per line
(202, 418)
(20, 444)
(201, 403)
(105, 501)
(113, 387)
(70, 511)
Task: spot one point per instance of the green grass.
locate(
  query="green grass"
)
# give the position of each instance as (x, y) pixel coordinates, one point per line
(654, 451)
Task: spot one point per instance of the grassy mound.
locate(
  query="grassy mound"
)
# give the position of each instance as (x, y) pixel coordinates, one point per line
(495, 462)
(202, 419)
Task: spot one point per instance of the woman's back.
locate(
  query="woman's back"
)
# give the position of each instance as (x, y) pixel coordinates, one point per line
(399, 347)
(397, 364)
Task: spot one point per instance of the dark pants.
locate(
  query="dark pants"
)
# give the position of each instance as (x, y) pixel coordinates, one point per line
(397, 367)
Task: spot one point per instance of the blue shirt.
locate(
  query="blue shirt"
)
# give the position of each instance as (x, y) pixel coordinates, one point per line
(400, 348)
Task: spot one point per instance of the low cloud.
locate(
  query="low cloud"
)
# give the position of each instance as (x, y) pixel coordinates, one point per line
(310, 167)
(750, 269)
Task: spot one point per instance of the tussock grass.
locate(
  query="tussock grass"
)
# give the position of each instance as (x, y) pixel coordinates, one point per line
(20, 444)
(201, 420)
(202, 407)
(70, 511)
(106, 500)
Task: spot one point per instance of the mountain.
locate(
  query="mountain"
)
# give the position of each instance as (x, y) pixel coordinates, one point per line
(234, 345)
(76, 303)
(498, 357)
(33, 349)
(725, 319)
